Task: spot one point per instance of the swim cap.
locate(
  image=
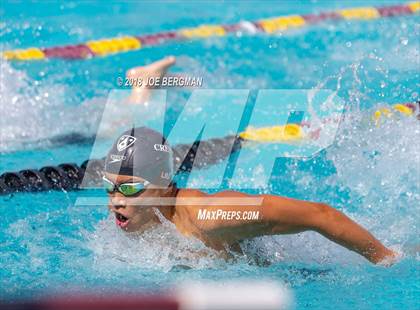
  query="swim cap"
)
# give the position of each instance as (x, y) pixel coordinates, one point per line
(141, 152)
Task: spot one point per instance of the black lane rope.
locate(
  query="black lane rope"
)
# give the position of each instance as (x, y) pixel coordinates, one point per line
(69, 176)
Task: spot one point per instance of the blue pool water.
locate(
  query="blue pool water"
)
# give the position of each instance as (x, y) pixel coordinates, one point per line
(49, 243)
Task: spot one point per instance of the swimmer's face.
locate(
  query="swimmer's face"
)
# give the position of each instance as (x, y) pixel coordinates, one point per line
(132, 213)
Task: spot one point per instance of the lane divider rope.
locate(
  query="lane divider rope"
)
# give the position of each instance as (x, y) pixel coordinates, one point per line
(69, 176)
(111, 46)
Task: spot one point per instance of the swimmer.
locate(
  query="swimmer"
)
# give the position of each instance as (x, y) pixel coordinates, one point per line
(138, 178)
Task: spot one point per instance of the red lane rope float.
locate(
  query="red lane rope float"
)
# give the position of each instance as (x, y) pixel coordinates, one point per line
(128, 302)
(240, 294)
(110, 46)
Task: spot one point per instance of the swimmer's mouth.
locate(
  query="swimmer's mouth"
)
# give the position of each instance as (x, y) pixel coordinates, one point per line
(121, 220)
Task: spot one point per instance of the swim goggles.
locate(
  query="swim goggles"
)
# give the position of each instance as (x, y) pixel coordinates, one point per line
(127, 189)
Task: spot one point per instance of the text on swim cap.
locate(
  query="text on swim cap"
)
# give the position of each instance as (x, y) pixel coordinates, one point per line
(161, 148)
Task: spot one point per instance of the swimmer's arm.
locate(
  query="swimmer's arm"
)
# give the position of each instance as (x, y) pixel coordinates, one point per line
(281, 215)
(139, 78)
(293, 216)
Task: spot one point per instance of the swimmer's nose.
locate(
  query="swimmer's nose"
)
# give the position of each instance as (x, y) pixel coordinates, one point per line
(118, 202)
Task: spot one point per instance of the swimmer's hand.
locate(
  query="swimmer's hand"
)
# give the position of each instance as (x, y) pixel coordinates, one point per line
(398, 253)
(141, 77)
(391, 259)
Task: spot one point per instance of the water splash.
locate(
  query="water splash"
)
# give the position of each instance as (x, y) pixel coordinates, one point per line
(380, 165)
(159, 248)
(34, 114)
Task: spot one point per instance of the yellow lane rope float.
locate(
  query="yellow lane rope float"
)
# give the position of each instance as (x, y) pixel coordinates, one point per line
(104, 47)
(291, 133)
(284, 133)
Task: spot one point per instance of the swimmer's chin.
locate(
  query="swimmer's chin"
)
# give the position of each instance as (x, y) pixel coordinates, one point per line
(130, 228)
(127, 229)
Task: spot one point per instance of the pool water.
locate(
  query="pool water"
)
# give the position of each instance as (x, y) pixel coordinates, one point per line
(49, 243)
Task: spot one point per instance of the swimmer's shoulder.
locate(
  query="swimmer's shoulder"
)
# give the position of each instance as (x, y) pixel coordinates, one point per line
(195, 193)
(192, 200)
(185, 193)
(186, 202)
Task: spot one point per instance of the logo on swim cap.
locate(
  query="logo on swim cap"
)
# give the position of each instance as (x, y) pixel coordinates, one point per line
(124, 142)
(116, 158)
(161, 148)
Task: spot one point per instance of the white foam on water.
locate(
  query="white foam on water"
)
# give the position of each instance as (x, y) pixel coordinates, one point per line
(159, 248)
(33, 111)
(381, 167)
